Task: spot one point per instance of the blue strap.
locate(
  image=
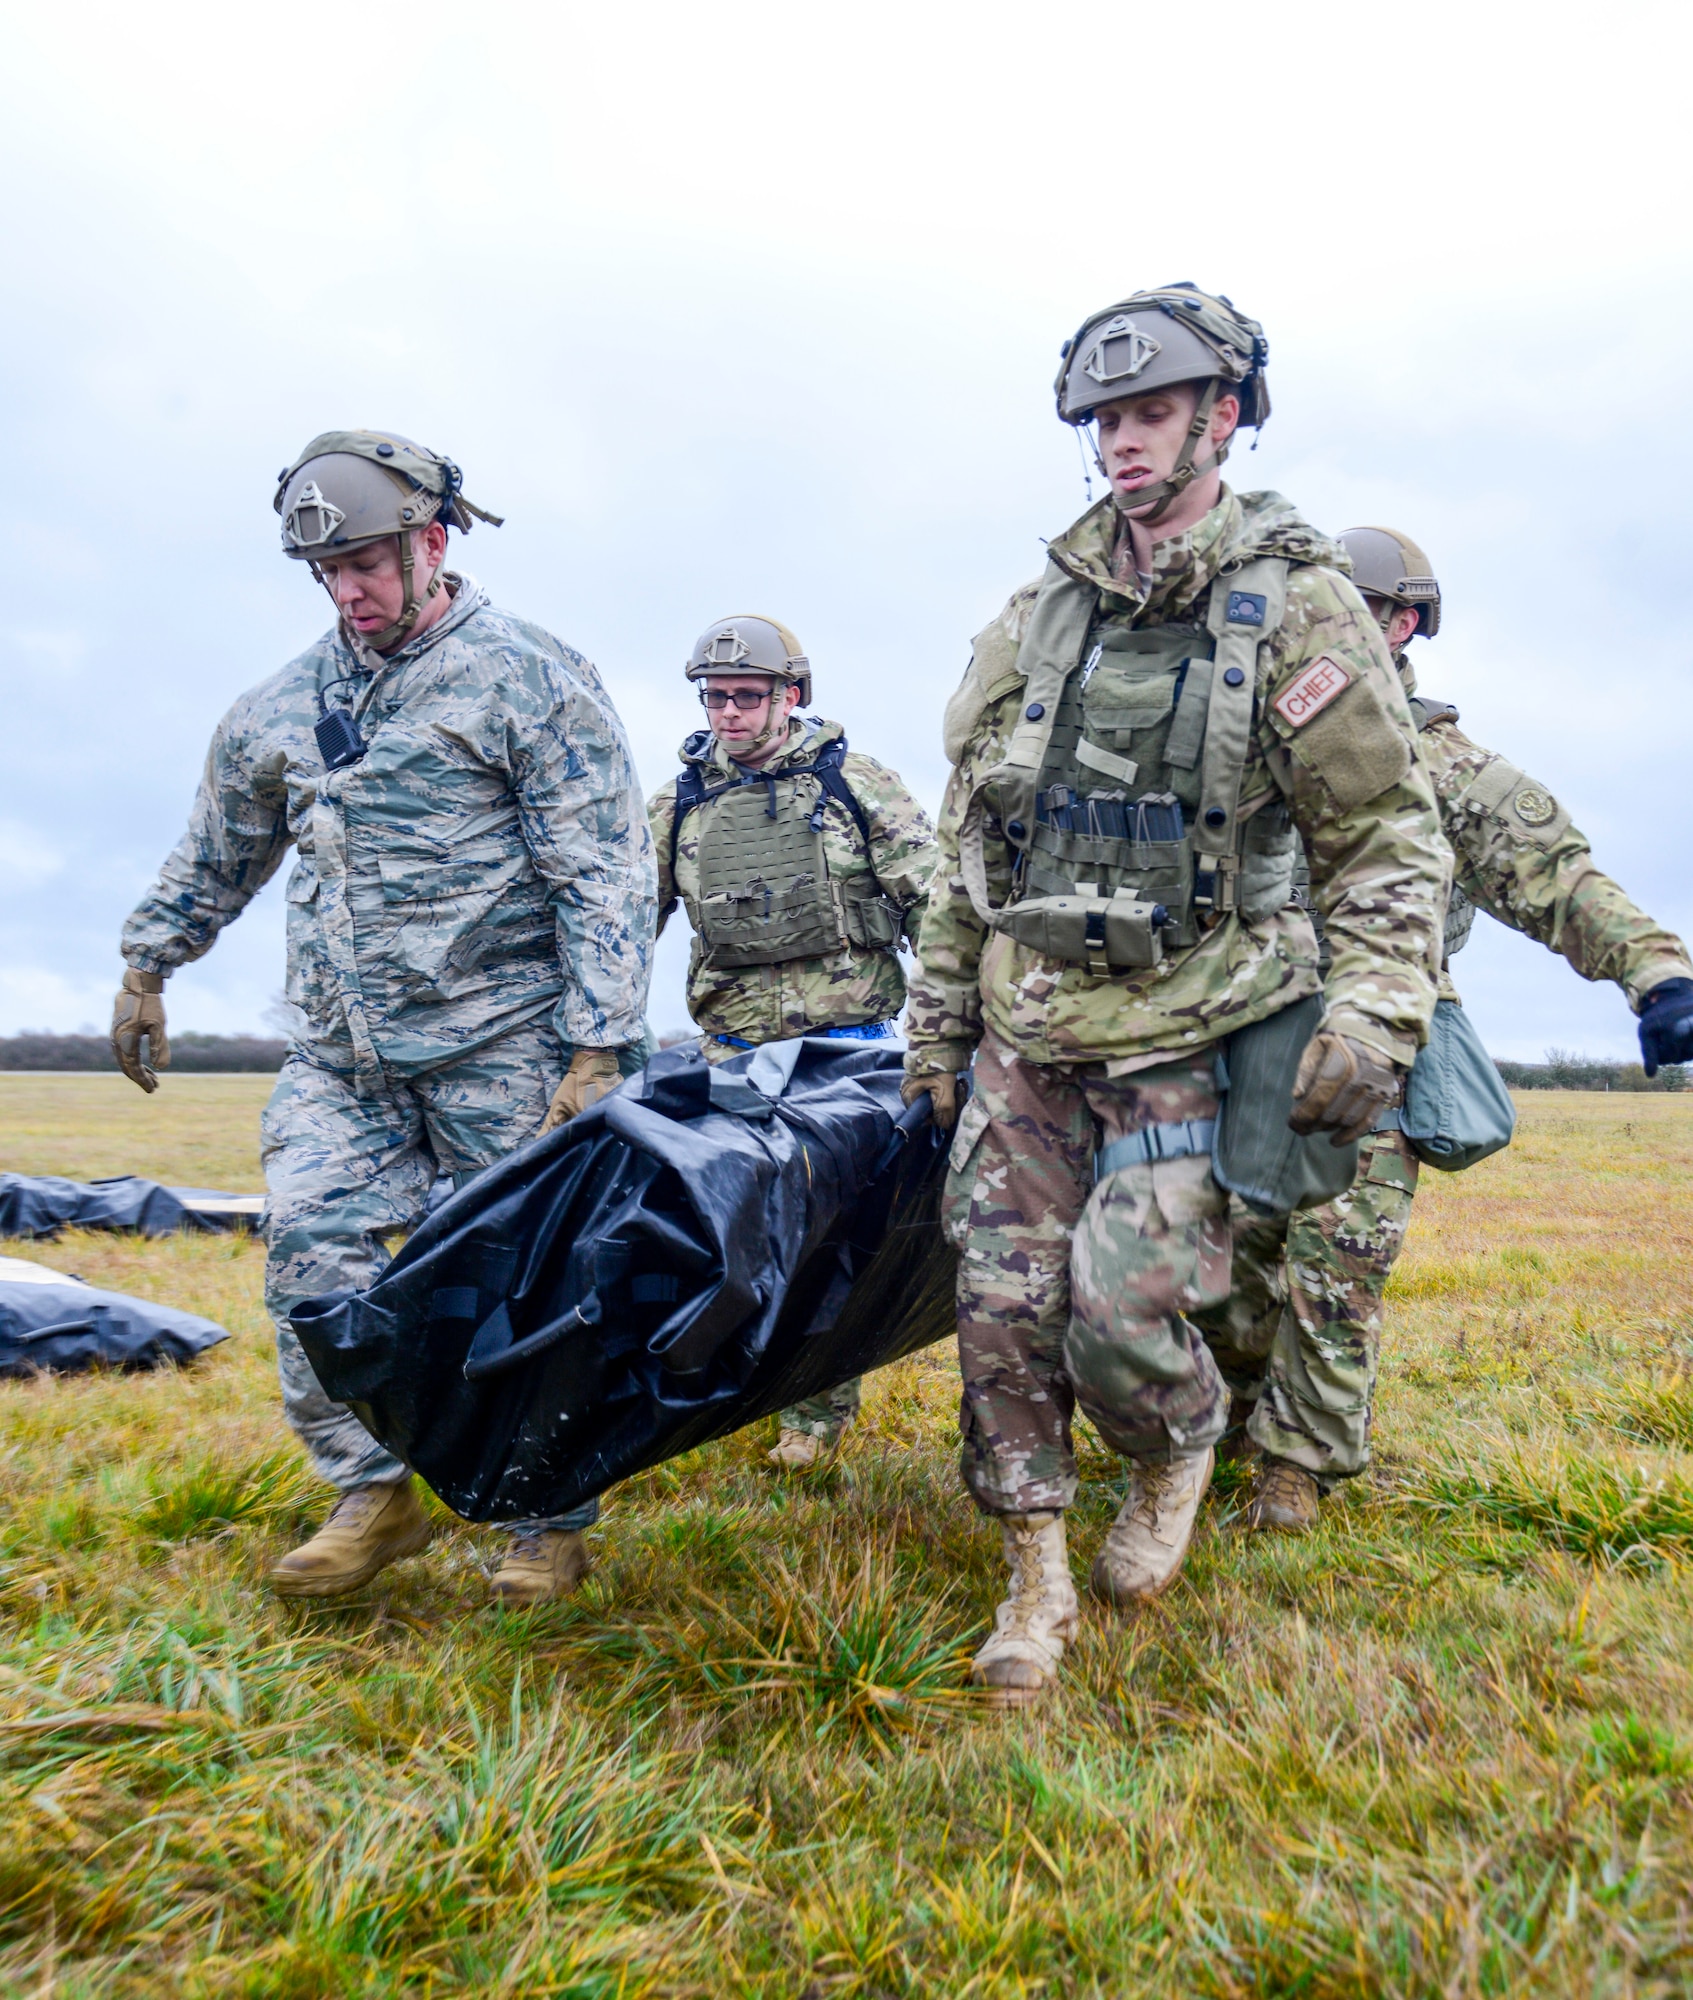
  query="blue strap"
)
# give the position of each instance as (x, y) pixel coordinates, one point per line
(1391, 1120)
(1177, 1141)
(866, 1031)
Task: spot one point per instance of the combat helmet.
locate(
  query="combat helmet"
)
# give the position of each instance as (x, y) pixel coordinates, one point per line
(1389, 565)
(350, 488)
(749, 643)
(1153, 340)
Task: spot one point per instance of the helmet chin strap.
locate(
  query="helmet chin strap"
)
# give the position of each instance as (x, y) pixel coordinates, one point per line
(1186, 470)
(411, 605)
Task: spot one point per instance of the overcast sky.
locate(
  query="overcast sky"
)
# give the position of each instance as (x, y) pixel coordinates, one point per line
(757, 308)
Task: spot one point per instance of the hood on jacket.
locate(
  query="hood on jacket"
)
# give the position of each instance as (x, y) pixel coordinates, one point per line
(1239, 528)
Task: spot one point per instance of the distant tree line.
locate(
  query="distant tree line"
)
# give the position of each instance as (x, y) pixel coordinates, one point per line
(1564, 1070)
(189, 1054)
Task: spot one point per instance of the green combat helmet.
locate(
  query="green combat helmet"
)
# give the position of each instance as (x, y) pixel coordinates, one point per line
(1389, 565)
(350, 488)
(748, 643)
(1154, 340)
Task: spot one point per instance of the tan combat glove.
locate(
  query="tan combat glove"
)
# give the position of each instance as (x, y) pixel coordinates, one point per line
(941, 1087)
(1342, 1088)
(140, 1010)
(593, 1074)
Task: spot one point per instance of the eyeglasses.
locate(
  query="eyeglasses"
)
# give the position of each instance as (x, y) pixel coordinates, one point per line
(745, 699)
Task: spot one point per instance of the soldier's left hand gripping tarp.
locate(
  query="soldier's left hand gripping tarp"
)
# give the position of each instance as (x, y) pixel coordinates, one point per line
(53, 1323)
(702, 1247)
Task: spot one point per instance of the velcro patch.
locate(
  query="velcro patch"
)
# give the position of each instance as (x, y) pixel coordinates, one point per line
(1312, 692)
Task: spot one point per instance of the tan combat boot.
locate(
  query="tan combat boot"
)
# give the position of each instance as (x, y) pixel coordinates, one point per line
(367, 1529)
(797, 1451)
(541, 1565)
(1038, 1618)
(1144, 1551)
(1284, 1496)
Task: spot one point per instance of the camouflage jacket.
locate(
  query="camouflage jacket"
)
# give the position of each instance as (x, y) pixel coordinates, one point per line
(762, 1003)
(1518, 858)
(1379, 868)
(485, 863)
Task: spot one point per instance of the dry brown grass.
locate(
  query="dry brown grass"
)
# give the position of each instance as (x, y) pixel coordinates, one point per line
(1443, 1747)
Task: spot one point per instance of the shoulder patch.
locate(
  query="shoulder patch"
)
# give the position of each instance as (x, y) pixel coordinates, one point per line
(1534, 805)
(1312, 691)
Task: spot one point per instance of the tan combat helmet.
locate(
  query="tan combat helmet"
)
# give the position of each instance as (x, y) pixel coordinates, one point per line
(750, 644)
(1389, 565)
(350, 488)
(1154, 340)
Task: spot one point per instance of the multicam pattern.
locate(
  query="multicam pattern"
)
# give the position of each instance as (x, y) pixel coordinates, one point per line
(763, 1003)
(1300, 1339)
(1070, 1293)
(1379, 868)
(344, 1171)
(486, 864)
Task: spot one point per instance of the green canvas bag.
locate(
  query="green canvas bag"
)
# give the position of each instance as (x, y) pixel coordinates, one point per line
(1457, 1109)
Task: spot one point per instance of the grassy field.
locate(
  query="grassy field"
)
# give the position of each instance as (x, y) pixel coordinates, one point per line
(1444, 1746)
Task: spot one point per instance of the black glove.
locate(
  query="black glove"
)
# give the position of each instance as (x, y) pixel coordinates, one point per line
(1666, 1025)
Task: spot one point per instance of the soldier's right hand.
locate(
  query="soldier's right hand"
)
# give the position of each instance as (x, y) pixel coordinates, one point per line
(1342, 1088)
(140, 1010)
(941, 1088)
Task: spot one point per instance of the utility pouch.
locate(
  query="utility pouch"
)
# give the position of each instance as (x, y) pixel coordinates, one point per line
(1254, 1153)
(1104, 933)
(1457, 1109)
(872, 922)
(766, 925)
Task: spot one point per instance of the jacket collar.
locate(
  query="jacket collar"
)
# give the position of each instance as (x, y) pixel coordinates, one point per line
(807, 734)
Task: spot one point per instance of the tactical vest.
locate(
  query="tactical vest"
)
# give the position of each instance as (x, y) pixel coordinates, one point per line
(766, 891)
(1120, 788)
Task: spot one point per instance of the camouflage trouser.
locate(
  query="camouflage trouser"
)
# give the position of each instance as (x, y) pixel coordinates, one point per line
(827, 1415)
(342, 1172)
(1074, 1293)
(1300, 1336)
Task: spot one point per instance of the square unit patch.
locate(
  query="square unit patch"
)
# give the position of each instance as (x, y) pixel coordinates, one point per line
(1246, 607)
(1312, 692)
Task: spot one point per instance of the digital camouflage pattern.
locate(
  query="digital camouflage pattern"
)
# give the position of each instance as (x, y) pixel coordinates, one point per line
(485, 865)
(345, 1170)
(1070, 1293)
(1300, 1339)
(1379, 868)
(849, 987)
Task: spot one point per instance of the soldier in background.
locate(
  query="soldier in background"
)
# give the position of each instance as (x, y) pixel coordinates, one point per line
(470, 920)
(1305, 1320)
(802, 865)
(1139, 742)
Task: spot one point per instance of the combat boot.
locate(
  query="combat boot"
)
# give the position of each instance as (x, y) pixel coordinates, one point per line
(1284, 1496)
(542, 1565)
(1038, 1618)
(1143, 1553)
(367, 1529)
(799, 1451)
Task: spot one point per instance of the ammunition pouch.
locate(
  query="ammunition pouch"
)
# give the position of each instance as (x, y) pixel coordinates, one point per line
(873, 923)
(1107, 934)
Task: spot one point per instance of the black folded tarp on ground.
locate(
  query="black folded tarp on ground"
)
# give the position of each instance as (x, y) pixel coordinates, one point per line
(43, 1204)
(695, 1251)
(57, 1324)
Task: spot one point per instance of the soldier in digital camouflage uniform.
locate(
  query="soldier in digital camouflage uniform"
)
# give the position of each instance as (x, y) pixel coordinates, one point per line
(470, 920)
(1139, 742)
(1305, 1322)
(802, 864)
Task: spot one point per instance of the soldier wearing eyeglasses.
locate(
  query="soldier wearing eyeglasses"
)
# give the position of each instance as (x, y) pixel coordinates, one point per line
(804, 866)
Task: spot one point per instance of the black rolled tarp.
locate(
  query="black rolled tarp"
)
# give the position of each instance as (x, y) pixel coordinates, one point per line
(58, 1325)
(42, 1204)
(697, 1250)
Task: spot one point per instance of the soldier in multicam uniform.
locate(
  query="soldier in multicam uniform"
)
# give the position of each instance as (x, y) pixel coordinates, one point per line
(470, 920)
(802, 865)
(1139, 742)
(1305, 1321)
